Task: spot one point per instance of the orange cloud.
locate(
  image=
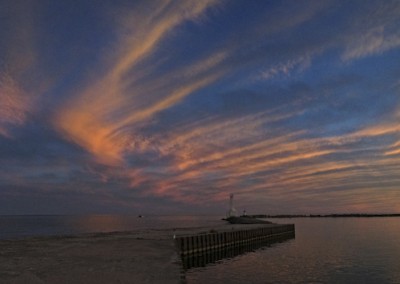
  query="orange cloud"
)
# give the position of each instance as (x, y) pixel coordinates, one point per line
(222, 156)
(210, 157)
(302, 164)
(97, 119)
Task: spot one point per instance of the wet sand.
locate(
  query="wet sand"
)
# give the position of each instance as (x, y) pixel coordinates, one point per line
(146, 256)
(131, 257)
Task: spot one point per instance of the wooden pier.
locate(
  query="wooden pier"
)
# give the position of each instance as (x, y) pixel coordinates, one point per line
(234, 236)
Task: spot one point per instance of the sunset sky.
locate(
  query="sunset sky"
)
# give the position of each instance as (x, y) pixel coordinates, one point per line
(167, 107)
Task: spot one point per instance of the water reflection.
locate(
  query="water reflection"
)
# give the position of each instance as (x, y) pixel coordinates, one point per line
(326, 250)
(104, 223)
(212, 256)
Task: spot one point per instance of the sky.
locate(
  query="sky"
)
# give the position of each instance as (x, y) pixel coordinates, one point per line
(167, 107)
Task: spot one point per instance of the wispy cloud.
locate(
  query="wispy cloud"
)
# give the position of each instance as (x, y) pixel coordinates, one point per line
(374, 41)
(373, 31)
(287, 104)
(285, 68)
(209, 157)
(96, 118)
(14, 105)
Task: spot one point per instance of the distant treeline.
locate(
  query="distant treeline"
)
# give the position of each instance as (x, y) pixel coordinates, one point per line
(323, 216)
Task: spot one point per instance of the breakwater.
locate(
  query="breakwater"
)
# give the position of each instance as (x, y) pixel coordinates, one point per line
(212, 256)
(231, 237)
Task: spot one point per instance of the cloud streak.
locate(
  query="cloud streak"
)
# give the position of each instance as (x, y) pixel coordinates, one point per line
(91, 125)
(291, 105)
(213, 155)
(14, 107)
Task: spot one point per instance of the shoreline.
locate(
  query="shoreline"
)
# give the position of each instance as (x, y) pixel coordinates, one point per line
(146, 256)
(140, 256)
(351, 215)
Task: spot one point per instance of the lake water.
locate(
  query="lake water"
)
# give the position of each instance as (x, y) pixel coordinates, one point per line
(15, 227)
(325, 250)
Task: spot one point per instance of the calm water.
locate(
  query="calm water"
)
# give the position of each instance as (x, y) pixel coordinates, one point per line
(325, 250)
(13, 227)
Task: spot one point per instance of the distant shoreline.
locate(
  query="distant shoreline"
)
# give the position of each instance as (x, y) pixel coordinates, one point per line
(353, 215)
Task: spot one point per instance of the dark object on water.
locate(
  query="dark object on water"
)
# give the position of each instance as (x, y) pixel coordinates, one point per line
(246, 220)
(140, 216)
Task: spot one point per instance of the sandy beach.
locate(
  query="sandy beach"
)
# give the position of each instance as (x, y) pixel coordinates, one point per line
(128, 257)
(142, 256)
